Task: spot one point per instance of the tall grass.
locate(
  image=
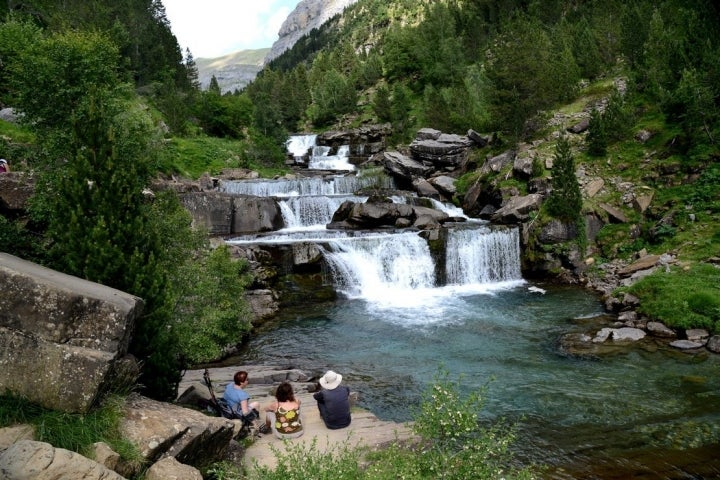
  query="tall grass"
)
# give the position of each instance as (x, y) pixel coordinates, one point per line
(71, 431)
(682, 298)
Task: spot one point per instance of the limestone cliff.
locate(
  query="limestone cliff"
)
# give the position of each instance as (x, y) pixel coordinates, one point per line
(307, 15)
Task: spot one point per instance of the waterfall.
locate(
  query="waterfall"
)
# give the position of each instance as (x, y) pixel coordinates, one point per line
(399, 268)
(312, 212)
(299, 145)
(312, 186)
(381, 267)
(481, 256)
(322, 160)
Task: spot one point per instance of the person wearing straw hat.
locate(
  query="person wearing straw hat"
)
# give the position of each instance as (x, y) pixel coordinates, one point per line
(333, 401)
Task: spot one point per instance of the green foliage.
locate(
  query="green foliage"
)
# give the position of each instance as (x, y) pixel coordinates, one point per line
(681, 298)
(597, 139)
(527, 73)
(16, 240)
(332, 96)
(71, 431)
(538, 169)
(381, 104)
(211, 312)
(15, 37)
(193, 156)
(224, 115)
(299, 461)
(565, 199)
(52, 76)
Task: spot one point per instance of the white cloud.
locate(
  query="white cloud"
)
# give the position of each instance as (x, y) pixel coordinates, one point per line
(213, 28)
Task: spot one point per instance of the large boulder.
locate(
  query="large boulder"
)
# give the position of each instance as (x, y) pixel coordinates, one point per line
(163, 430)
(170, 469)
(28, 459)
(444, 184)
(256, 214)
(62, 338)
(213, 211)
(445, 150)
(403, 168)
(498, 162)
(517, 209)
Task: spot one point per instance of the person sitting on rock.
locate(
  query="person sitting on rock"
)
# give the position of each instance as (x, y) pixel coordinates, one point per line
(333, 401)
(238, 399)
(283, 415)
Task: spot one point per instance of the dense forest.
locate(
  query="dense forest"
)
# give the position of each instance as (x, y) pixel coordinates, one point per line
(109, 102)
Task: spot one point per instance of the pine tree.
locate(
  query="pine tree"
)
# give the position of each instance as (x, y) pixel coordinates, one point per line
(193, 74)
(565, 200)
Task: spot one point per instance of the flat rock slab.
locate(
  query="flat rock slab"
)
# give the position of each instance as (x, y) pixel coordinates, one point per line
(686, 345)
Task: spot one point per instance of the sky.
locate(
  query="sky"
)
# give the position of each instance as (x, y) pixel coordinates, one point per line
(213, 28)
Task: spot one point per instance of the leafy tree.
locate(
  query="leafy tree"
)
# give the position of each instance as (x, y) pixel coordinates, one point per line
(212, 313)
(15, 36)
(565, 200)
(332, 97)
(61, 70)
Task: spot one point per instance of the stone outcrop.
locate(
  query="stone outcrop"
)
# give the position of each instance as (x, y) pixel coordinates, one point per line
(351, 215)
(363, 142)
(439, 149)
(62, 338)
(170, 469)
(308, 14)
(16, 188)
(163, 430)
(224, 214)
(517, 209)
(41, 461)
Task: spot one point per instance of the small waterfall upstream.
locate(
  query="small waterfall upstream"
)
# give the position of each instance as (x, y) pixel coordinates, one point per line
(319, 156)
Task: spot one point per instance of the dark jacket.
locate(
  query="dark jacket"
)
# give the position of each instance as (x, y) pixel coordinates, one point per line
(334, 406)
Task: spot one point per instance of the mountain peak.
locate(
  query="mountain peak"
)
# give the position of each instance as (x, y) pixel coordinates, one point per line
(307, 15)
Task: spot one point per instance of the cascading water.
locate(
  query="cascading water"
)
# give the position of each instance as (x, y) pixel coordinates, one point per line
(477, 256)
(312, 212)
(299, 145)
(310, 186)
(319, 159)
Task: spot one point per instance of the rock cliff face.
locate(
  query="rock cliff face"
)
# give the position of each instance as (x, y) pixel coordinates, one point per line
(307, 15)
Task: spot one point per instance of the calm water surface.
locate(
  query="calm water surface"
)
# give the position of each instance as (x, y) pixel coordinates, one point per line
(643, 411)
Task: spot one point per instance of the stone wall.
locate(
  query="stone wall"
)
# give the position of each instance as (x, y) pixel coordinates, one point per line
(62, 338)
